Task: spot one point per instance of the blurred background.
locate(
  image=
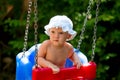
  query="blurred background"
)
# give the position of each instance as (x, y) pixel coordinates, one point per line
(13, 14)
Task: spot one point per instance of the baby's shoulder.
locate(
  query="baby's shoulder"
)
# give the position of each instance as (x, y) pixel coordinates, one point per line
(68, 45)
(70, 49)
(45, 43)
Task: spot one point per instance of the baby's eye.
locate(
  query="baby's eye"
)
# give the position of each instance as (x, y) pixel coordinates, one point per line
(52, 31)
(60, 32)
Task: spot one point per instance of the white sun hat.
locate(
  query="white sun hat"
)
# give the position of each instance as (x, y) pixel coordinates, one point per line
(63, 22)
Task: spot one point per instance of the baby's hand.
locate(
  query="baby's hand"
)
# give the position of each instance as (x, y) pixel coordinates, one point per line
(55, 69)
(78, 64)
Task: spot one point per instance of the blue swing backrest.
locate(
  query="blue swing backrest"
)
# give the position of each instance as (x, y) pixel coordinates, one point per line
(25, 63)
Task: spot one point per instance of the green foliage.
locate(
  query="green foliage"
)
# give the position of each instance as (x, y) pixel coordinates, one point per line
(108, 31)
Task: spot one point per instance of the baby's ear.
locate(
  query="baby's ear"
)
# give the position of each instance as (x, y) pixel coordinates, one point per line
(68, 36)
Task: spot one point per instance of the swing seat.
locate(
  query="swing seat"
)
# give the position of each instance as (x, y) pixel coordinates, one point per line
(25, 63)
(86, 72)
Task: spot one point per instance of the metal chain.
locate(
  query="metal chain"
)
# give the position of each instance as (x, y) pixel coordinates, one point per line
(84, 25)
(95, 30)
(27, 26)
(36, 27)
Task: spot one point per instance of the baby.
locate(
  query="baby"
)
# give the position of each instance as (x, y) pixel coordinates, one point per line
(54, 51)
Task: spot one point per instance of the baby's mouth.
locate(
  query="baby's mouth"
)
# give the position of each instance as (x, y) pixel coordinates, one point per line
(56, 40)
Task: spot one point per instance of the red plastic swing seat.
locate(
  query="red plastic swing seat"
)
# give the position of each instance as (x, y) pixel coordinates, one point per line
(86, 72)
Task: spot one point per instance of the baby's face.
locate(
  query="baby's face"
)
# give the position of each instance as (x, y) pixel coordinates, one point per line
(57, 35)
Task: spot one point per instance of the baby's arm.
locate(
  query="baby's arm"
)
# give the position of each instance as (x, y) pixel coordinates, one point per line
(74, 57)
(42, 61)
(76, 60)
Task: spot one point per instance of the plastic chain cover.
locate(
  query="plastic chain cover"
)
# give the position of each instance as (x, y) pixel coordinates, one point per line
(25, 63)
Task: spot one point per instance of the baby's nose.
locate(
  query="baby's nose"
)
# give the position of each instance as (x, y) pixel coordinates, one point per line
(56, 35)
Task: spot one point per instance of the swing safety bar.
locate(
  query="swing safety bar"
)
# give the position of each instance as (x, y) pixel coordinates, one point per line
(86, 72)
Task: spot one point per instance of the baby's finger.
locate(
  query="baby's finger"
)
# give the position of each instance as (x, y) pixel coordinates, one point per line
(79, 65)
(56, 70)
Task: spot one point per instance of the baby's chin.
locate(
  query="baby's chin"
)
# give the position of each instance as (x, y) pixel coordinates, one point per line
(57, 44)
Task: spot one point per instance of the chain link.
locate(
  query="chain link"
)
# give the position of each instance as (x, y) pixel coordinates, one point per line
(95, 30)
(36, 27)
(84, 24)
(27, 26)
